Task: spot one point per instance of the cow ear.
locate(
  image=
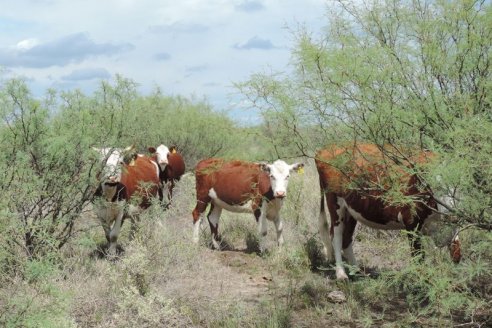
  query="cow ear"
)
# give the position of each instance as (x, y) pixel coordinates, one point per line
(298, 167)
(172, 150)
(265, 167)
(151, 150)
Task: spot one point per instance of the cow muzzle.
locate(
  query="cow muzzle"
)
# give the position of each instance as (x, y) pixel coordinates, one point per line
(111, 180)
(280, 194)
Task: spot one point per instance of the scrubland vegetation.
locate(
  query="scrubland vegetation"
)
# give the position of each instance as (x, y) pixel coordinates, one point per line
(411, 76)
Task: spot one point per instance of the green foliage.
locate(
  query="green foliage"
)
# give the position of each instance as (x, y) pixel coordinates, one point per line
(37, 303)
(46, 155)
(406, 75)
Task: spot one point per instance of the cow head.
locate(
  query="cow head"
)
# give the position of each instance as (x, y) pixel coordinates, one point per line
(444, 234)
(162, 153)
(279, 173)
(113, 160)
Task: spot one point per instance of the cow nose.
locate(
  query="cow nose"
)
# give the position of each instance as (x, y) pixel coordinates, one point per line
(112, 178)
(280, 194)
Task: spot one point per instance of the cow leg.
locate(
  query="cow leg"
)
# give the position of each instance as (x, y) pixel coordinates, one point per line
(169, 193)
(200, 207)
(324, 231)
(260, 215)
(170, 190)
(337, 216)
(348, 233)
(114, 233)
(213, 219)
(107, 230)
(279, 226)
(104, 215)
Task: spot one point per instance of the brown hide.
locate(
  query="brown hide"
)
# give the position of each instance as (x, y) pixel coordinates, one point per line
(141, 180)
(235, 182)
(174, 169)
(362, 175)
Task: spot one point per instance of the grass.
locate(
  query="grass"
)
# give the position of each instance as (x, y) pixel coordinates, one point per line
(163, 280)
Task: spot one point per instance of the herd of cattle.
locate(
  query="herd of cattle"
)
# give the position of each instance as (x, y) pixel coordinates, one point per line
(355, 182)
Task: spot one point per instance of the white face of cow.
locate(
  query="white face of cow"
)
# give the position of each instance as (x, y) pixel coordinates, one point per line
(113, 160)
(279, 173)
(162, 152)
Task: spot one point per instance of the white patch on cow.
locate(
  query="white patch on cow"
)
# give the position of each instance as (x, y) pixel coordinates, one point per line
(196, 230)
(245, 208)
(112, 159)
(337, 248)
(213, 219)
(156, 166)
(161, 153)
(324, 230)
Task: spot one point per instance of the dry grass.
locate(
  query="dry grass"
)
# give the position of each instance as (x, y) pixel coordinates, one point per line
(163, 280)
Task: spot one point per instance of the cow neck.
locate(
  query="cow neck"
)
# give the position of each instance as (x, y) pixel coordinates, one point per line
(111, 193)
(161, 171)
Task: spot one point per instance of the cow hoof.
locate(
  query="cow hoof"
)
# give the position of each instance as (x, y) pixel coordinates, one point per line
(341, 275)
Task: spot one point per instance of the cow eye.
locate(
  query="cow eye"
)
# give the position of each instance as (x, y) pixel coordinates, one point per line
(287, 177)
(272, 176)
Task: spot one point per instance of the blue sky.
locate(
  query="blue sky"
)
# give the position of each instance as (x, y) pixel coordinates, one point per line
(189, 47)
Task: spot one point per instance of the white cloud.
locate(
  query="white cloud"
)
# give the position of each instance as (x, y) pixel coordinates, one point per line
(26, 44)
(255, 43)
(185, 47)
(60, 52)
(87, 74)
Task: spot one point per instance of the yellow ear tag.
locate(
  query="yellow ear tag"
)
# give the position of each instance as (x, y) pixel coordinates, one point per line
(300, 170)
(173, 151)
(132, 163)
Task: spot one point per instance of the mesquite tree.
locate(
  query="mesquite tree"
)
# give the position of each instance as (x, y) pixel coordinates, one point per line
(405, 75)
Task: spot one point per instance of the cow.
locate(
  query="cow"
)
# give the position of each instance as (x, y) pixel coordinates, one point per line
(356, 181)
(127, 184)
(240, 186)
(171, 168)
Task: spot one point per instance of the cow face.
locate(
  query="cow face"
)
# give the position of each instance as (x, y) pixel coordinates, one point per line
(113, 160)
(279, 173)
(161, 152)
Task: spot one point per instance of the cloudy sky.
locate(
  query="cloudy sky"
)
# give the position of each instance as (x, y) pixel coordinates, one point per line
(188, 47)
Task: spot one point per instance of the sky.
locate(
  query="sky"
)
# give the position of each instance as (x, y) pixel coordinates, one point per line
(193, 48)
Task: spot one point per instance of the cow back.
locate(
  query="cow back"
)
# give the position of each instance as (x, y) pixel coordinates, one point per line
(141, 179)
(234, 182)
(364, 177)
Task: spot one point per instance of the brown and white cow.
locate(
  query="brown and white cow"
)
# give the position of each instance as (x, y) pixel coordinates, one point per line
(240, 186)
(171, 168)
(127, 184)
(357, 183)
